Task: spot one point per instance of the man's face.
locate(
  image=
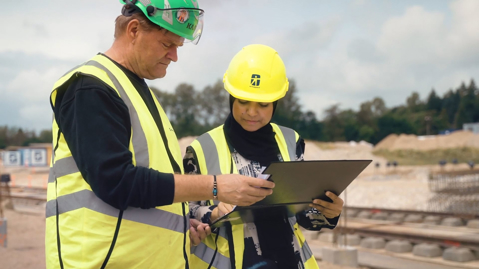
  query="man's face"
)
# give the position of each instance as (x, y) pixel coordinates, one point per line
(154, 50)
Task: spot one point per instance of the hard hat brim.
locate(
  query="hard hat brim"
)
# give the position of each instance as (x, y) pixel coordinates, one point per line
(256, 97)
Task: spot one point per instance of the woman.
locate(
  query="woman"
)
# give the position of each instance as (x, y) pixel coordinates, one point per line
(247, 142)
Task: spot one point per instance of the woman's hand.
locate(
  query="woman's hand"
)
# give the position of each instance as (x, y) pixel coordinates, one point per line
(329, 210)
(198, 231)
(221, 210)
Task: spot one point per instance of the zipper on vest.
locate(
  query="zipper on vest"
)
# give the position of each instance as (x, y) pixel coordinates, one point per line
(231, 245)
(187, 227)
(117, 230)
(59, 245)
(216, 250)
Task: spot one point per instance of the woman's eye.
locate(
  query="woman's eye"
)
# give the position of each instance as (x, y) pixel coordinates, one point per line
(264, 104)
(243, 102)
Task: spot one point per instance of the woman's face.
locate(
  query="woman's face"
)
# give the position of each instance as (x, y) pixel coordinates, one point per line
(252, 115)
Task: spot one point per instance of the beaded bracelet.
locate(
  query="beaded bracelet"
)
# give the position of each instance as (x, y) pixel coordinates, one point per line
(215, 189)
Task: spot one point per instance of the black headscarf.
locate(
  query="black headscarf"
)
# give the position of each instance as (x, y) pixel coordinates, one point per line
(257, 146)
(274, 233)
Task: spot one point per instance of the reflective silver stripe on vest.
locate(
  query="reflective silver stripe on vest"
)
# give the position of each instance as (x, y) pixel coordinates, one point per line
(305, 251)
(211, 154)
(61, 168)
(206, 253)
(87, 199)
(290, 138)
(139, 138)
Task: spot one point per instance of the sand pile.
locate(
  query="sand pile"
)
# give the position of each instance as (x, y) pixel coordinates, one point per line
(457, 139)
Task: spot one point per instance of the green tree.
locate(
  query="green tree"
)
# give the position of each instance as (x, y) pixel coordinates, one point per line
(351, 126)
(288, 110)
(391, 124)
(184, 111)
(333, 124)
(19, 138)
(3, 137)
(434, 102)
(414, 103)
(166, 100)
(45, 136)
(366, 133)
(450, 104)
(310, 128)
(467, 111)
(214, 102)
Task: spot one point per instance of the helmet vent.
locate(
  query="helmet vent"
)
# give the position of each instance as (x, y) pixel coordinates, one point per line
(145, 2)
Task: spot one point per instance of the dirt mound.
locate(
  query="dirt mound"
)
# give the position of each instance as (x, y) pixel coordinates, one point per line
(387, 142)
(456, 139)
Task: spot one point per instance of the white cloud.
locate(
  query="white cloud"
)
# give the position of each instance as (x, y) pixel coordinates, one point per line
(413, 38)
(309, 37)
(34, 86)
(337, 53)
(415, 51)
(38, 116)
(59, 29)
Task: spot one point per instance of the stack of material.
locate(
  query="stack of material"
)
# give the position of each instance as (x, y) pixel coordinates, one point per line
(457, 139)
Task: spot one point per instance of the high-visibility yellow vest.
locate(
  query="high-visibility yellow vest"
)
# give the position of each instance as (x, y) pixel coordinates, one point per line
(214, 158)
(82, 231)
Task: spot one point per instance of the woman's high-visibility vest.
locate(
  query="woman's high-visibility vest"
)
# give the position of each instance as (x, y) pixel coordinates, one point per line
(82, 231)
(214, 158)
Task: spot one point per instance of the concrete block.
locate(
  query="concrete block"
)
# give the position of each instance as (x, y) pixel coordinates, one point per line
(474, 223)
(399, 217)
(3, 232)
(454, 222)
(415, 218)
(310, 235)
(432, 220)
(365, 214)
(347, 256)
(476, 253)
(399, 246)
(456, 254)
(427, 250)
(349, 239)
(380, 216)
(373, 242)
(326, 237)
(351, 213)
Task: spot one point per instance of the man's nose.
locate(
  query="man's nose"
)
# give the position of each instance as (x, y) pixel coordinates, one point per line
(172, 53)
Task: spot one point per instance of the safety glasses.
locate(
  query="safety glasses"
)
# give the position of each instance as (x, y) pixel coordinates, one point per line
(187, 21)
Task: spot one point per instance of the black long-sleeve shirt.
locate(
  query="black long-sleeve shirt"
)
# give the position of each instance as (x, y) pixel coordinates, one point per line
(96, 124)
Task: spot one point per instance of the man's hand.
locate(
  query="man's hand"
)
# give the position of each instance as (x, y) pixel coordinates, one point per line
(242, 190)
(198, 231)
(221, 210)
(329, 210)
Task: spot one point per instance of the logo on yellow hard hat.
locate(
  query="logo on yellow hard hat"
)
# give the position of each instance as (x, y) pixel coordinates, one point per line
(255, 80)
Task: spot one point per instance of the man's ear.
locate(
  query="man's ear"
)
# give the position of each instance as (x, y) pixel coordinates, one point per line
(132, 30)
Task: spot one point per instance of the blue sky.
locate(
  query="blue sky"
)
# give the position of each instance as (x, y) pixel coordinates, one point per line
(345, 52)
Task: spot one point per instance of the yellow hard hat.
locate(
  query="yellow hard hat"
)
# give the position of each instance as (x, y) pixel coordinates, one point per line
(257, 74)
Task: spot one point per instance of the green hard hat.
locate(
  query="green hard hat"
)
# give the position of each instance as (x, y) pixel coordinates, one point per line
(182, 17)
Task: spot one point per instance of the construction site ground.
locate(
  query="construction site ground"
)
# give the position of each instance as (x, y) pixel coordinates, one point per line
(401, 187)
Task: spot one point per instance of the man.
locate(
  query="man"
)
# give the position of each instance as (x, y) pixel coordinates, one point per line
(116, 193)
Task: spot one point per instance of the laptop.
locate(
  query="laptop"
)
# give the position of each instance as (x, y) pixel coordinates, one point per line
(297, 183)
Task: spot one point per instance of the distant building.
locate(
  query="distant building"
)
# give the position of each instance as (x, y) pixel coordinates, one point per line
(473, 127)
(37, 154)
